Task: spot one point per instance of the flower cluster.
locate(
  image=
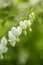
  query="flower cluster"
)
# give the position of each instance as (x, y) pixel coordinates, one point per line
(15, 33)
(3, 47)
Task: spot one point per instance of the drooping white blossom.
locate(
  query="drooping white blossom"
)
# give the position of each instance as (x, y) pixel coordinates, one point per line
(28, 22)
(3, 47)
(4, 41)
(23, 25)
(19, 31)
(16, 31)
(12, 38)
(14, 35)
(12, 43)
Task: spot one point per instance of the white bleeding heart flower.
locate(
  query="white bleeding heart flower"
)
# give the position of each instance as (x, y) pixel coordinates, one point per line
(28, 22)
(12, 38)
(23, 25)
(3, 47)
(19, 31)
(12, 43)
(14, 30)
(4, 41)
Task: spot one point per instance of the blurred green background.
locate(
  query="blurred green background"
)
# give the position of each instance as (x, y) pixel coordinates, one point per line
(29, 51)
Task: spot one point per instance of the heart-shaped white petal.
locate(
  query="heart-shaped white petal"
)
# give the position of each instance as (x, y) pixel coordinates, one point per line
(11, 36)
(19, 31)
(4, 41)
(23, 25)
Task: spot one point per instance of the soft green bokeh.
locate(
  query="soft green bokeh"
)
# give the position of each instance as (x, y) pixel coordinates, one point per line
(29, 51)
